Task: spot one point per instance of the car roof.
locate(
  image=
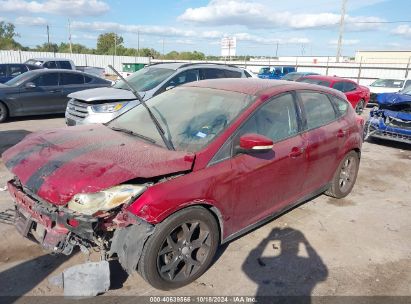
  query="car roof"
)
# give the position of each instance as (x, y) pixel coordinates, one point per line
(327, 78)
(259, 87)
(49, 59)
(180, 65)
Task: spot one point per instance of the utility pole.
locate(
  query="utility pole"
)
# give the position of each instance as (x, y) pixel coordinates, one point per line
(69, 29)
(138, 43)
(48, 37)
(163, 48)
(340, 37)
(276, 50)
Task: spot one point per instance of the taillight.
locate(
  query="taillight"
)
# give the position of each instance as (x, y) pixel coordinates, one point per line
(73, 223)
(360, 121)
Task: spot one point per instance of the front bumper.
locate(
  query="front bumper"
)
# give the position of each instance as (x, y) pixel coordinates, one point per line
(52, 227)
(376, 128)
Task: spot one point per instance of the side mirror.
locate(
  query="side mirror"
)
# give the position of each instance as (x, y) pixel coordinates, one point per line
(169, 88)
(254, 143)
(30, 85)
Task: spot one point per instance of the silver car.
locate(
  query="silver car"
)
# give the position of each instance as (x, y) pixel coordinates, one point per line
(104, 104)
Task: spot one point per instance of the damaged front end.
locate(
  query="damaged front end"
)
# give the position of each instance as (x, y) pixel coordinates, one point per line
(391, 119)
(97, 220)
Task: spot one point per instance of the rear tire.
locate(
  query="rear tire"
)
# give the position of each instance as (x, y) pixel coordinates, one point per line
(4, 113)
(181, 249)
(345, 176)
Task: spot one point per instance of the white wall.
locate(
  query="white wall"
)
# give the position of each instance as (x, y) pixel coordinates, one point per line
(101, 61)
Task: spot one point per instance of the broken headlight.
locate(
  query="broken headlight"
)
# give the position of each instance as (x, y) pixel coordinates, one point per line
(109, 107)
(90, 203)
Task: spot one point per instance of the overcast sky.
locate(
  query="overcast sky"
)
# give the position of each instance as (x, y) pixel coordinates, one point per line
(299, 27)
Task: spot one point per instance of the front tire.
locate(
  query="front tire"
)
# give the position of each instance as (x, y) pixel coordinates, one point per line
(181, 249)
(4, 113)
(345, 176)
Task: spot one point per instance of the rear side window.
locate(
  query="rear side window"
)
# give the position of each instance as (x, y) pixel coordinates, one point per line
(232, 74)
(49, 79)
(50, 65)
(349, 86)
(71, 78)
(318, 109)
(212, 73)
(407, 84)
(87, 79)
(16, 70)
(248, 75)
(340, 105)
(3, 70)
(64, 65)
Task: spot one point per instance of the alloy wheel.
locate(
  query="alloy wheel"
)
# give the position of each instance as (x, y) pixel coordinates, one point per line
(184, 251)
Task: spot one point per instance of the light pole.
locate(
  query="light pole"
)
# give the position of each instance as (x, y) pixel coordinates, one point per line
(340, 37)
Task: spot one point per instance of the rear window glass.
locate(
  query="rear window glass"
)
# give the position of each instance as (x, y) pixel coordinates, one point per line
(318, 109)
(64, 65)
(315, 81)
(71, 78)
(340, 105)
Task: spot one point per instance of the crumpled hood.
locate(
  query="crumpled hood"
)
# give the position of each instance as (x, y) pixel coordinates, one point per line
(393, 98)
(57, 164)
(103, 94)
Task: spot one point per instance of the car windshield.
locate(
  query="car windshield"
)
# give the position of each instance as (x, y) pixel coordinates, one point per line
(190, 117)
(18, 80)
(388, 83)
(145, 79)
(34, 62)
(315, 81)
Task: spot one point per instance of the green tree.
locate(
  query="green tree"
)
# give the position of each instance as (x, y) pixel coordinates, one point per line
(47, 47)
(7, 36)
(107, 42)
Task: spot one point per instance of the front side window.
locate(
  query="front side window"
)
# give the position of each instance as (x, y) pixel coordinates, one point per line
(49, 79)
(276, 119)
(318, 109)
(50, 65)
(339, 85)
(145, 79)
(191, 117)
(349, 86)
(183, 77)
(71, 78)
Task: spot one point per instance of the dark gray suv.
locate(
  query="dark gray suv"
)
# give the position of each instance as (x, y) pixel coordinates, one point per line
(104, 104)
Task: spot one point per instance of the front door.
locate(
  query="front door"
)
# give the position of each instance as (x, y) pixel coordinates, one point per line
(44, 98)
(262, 184)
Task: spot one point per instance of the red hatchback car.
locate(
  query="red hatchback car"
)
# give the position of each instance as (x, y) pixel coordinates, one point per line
(235, 153)
(357, 95)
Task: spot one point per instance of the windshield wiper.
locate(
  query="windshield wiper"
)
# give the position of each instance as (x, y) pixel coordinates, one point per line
(160, 130)
(133, 133)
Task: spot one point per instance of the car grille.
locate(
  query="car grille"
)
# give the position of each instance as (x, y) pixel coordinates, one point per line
(77, 109)
(400, 124)
(373, 97)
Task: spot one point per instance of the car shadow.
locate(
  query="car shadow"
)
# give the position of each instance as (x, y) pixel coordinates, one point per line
(18, 280)
(285, 265)
(33, 117)
(389, 143)
(10, 138)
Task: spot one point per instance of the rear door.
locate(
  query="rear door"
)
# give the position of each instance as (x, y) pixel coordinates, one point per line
(324, 132)
(210, 73)
(44, 98)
